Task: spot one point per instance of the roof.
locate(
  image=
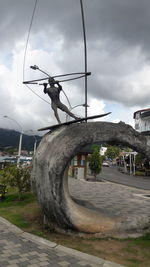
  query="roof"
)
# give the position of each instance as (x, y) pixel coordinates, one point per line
(139, 111)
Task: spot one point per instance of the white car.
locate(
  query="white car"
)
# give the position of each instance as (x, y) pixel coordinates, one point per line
(105, 164)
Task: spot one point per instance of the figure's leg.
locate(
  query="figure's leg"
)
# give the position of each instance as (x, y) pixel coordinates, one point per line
(65, 109)
(54, 107)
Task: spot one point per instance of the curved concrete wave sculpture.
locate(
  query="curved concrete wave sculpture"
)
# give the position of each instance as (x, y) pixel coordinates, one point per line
(49, 176)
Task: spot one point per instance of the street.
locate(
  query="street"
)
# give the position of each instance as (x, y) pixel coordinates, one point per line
(113, 175)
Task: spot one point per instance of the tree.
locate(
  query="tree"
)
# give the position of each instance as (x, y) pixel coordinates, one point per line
(139, 161)
(112, 152)
(18, 177)
(95, 163)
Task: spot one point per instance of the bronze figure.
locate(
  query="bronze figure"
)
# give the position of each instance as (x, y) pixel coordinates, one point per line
(54, 93)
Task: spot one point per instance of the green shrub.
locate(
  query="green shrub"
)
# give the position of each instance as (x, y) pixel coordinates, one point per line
(95, 161)
(18, 177)
(140, 173)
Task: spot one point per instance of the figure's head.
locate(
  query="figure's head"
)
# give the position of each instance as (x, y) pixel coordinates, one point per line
(51, 81)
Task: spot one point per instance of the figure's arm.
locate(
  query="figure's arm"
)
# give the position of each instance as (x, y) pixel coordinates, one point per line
(59, 86)
(45, 88)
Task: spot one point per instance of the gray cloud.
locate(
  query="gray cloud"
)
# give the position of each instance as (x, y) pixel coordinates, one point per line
(123, 21)
(118, 42)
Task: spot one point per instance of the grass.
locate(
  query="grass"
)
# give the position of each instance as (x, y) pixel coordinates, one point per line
(140, 173)
(27, 215)
(17, 211)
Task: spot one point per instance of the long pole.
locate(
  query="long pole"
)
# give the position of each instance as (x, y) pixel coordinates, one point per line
(85, 55)
(35, 142)
(20, 139)
(19, 149)
(134, 164)
(79, 105)
(34, 147)
(130, 164)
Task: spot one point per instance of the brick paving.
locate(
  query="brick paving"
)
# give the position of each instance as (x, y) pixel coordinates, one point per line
(114, 200)
(21, 249)
(111, 199)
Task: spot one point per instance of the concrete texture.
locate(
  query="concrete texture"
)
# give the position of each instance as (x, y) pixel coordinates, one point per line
(50, 181)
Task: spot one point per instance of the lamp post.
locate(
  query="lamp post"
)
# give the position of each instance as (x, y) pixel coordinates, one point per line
(79, 105)
(35, 142)
(20, 139)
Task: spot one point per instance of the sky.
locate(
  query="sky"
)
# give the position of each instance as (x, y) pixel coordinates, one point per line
(118, 57)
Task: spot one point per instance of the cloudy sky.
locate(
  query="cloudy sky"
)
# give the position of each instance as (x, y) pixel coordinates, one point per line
(118, 48)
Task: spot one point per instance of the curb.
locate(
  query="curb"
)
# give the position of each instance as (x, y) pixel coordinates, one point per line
(130, 186)
(44, 242)
(88, 257)
(38, 240)
(11, 226)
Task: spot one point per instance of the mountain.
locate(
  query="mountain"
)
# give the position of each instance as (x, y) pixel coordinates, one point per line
(10, 138)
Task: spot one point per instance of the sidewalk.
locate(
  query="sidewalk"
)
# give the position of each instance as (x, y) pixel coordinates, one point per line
(22, 249)
(129, 205)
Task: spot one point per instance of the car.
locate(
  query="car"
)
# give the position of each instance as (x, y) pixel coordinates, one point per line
(105, 164)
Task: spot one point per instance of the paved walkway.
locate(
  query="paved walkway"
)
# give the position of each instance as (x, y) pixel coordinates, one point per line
(18, 248)
(128, 203)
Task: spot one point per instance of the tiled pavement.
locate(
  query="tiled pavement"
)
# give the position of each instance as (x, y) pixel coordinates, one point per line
(18, 248)
(110, 198)
(115, 200)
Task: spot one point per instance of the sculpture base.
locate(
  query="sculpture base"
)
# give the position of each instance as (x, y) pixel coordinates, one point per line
(50, 175)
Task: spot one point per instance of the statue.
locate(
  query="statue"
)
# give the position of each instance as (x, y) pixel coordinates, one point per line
(54, 91)
(50, 177)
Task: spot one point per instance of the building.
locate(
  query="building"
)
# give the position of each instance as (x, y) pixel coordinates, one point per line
(103, 150)
(142, 121)
(142, 125)
(7, 160)
(79, 165)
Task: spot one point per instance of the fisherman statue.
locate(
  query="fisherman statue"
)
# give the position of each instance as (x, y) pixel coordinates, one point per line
(54, 93)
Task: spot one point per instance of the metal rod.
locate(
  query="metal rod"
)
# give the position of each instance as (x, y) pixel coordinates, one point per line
(72, 79)
(32, 81)
(19, 149)
(20, 139)
(74, 73)
(43, 72)
(85, 55)
(71, 108)
(27, 41)
(77, 73)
